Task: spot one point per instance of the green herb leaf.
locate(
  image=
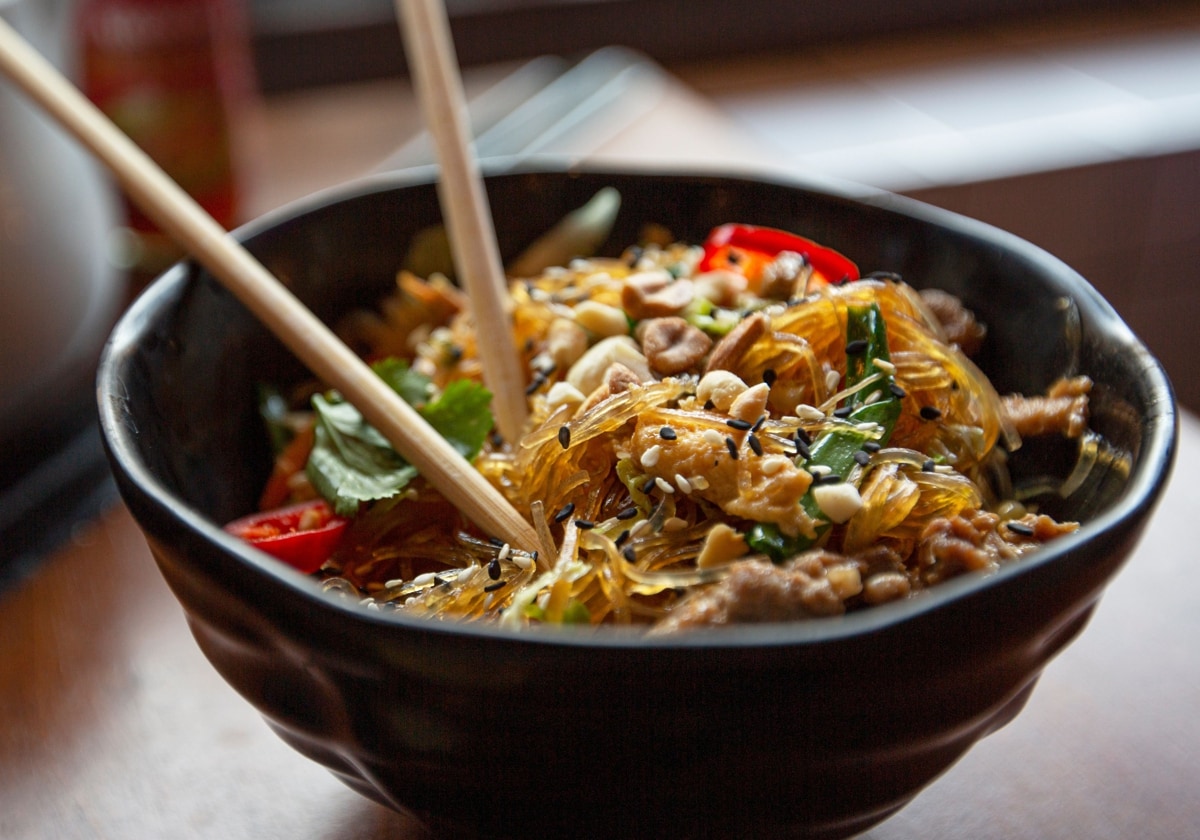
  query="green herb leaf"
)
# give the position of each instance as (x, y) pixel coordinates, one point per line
(352, 462)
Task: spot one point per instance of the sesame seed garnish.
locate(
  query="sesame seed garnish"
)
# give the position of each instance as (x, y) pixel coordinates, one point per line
(758, 424)
(629, 554)
(564, 436)
(647, 485)
(565, 512)
(732, 447)
(802, 449)
(832, 380)
(584, 524)
(885, 366)
(663, 485)
(830, 478)
(809, 412)
(803, 436)
(683, 484)
(667, 433)
(769, 376)
(928, 412)
(650, 456)
(739, 424)
(639, 527)
(843, 412)
(439, 581)
(897, 392)
(872, 446)
(866, 426)
(856, 347)
(1019, 528)
(820, 469)
(627, 513)
(862, 458)
(928, 465)
(496, 541)
(755, 443)
(505, 550)
(492, 587)
(873, 397)
(539, 379)
(494, 570)
(621, 538)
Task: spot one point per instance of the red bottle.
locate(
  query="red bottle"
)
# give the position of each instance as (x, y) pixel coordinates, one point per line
(174, 75)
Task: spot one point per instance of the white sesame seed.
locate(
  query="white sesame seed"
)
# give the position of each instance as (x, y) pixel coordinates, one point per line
(372, 604)
(819, 469)
(683, 484)
(873, 397)
(809, 412)
(885, 366)
(524, 561)
(639, 527)
(505, 550)
(832, 380)
(421, 580)
(773, 464)
(663, 485)
(650, 456)
(393, 583)
(866, 427)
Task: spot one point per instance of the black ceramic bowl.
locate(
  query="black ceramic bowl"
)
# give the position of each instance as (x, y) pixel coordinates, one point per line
(810, 729)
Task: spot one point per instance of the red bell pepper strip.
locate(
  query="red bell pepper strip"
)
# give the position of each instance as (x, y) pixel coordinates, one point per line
(748, 249)
(303, 535)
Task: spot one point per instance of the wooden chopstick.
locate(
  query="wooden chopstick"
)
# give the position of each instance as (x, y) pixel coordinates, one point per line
(468, 217)
(278, 309)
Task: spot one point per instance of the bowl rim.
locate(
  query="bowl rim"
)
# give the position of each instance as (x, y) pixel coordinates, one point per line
(1140, 496)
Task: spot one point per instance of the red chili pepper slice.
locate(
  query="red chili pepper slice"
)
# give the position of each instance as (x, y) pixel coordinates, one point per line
(303, 535)
(748, 249)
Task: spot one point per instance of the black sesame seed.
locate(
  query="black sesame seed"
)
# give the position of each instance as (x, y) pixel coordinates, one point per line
(667, 433)
(872, 446)
(494, 570)
(529, 345)
(584, 524)
(739, 424)
(627, 513)
(758, 423)
(862, 458)
(928, 412)
(897, 392)
(803, 436)
(856, 347)
(629, 554)
(496, 541)
(928, 465)
(709, 405)
(566, 511)
(492, 587)
(769, 377)
(537, 382)
(621, 537)
(802, 449)
(831, 478)
(1019, 528)
(755, 443)
(564, 436)
(843, 412)
(439, 581)
(732, 447)
(533, 555)
(647, 485)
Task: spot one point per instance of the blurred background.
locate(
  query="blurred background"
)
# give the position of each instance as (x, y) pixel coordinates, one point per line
(1072, 123)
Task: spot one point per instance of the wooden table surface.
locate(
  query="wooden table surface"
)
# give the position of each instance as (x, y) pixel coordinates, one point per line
(114, 725)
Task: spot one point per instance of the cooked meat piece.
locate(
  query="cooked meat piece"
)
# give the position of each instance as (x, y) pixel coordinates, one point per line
(1063, 410)
(957, 321)
(757, 591)
(978, 542)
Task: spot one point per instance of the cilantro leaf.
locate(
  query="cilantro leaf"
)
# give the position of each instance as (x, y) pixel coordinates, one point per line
(352, 462)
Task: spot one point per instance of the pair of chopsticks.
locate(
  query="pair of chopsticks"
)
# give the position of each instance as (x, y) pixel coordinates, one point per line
(468, 219)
